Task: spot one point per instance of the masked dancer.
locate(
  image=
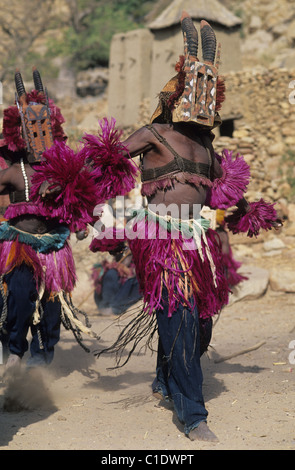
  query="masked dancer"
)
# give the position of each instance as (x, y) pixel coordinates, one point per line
(177, 256)
(37, 269)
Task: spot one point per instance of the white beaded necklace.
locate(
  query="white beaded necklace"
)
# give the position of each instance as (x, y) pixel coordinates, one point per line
(25, 179)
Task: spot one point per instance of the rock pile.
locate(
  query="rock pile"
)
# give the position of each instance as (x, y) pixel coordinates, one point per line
(268, 32)
(264, 131)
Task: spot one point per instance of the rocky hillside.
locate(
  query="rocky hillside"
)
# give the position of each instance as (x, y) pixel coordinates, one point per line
(268, 33)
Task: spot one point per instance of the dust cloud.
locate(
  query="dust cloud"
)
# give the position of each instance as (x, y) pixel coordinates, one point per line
(26, 389)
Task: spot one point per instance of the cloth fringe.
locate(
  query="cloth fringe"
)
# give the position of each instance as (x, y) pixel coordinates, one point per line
(151, 187)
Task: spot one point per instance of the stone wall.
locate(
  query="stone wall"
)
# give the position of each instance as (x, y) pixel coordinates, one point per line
(264, 131)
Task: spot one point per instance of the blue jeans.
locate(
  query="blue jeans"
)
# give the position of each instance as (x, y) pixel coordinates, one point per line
(116, 295)
(21, 306)
(179, 373)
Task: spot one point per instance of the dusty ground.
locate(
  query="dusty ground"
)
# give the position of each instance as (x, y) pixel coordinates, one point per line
(81, 405)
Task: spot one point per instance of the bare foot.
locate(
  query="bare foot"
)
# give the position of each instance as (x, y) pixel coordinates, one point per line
(202, 433)
(158, 395)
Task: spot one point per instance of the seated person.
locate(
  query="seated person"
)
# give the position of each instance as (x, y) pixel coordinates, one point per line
(116, 286)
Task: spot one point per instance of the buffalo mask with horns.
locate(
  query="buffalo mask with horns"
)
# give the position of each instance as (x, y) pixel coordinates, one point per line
(198, 100)
(196, 93)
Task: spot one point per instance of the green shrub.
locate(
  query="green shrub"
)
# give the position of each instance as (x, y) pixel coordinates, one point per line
(86, 42)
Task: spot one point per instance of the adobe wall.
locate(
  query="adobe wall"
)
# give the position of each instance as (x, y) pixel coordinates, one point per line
(141, 62)
(129, 74)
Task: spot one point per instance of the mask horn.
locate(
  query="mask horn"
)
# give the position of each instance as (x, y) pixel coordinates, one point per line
(190, 33)
(20, 88)
(208, 42)
(37, 80)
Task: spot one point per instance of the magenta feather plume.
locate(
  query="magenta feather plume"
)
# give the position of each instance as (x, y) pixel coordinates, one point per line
(12, 129)
(66, 170)
(112, 168)
(230, 188)
(259, 215)
(114, 241)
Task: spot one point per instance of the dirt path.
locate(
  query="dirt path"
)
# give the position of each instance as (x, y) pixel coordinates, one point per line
(250, 398)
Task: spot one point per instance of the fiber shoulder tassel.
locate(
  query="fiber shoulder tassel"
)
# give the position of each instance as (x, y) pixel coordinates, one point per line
(260, 215)
(227, 190)
(75, 199)
(113, 170)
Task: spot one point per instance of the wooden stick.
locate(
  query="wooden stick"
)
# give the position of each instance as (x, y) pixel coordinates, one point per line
(244, 351)
(87, 297)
